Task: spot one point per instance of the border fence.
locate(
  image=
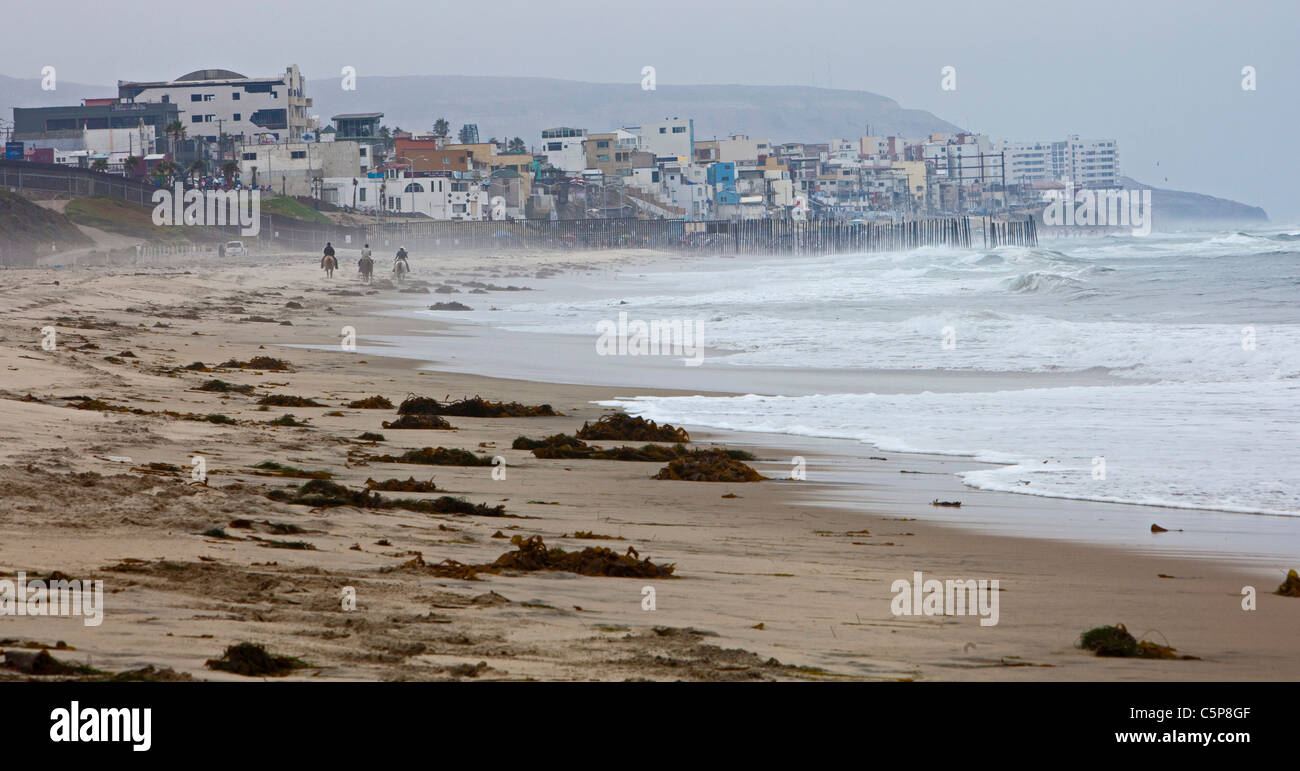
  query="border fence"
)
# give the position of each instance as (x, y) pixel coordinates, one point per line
(752, 236)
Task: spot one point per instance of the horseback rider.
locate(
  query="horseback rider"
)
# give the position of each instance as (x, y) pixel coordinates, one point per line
(328, 262)
(366, 264)
(400, 266)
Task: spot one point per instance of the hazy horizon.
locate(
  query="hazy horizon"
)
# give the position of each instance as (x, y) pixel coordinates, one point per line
(1163, 79)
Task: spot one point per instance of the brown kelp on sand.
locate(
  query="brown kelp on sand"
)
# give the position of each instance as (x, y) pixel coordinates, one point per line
(627, 428)
(265, 363)
(708, 466)
(253, 660)
(1116, 641)
(435, 456)
(319, 493)
(474, 407)
(410, 485)
(1291, 586)
(565, 446)
(371, 403)
(532, 554)
(432, 422)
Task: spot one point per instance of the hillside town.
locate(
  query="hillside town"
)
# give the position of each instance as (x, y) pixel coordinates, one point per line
(220, 129)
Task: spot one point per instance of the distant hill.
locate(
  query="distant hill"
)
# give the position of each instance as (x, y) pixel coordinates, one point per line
(506, 107)
(27, 92)
(27, 230)
(1171, 208)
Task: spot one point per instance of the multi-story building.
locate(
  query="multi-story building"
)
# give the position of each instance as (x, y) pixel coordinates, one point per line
(1085, 162)
(30, 122)
(215, 102)
(670, 138)
(608, 154)
(290, 168)
(562, 148)
(440, 195)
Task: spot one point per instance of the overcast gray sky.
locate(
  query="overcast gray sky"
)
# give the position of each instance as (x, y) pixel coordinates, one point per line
(1163, 77)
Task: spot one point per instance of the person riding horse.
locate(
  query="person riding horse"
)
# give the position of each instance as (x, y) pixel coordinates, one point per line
(328, 262)
(366, 264)
(400, 266)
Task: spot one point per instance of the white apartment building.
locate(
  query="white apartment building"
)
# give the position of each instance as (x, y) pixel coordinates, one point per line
(440, 195)
(562, 147)
(290, 167)
(669, 138)
(215, 102)
(1086, 162)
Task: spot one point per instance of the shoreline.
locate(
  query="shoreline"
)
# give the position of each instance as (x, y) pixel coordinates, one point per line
(768, 572)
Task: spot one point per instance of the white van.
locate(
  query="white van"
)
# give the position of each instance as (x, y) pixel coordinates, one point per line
(235, 249)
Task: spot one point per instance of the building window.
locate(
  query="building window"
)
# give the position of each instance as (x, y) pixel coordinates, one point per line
(196, 119)
(250, 156)
(298, 154)
(362, 152)
(236, 116)
(679, 129)
(196, 97)
(209, 97)
(602, 143)
(234, 95)
(361, 194)
(664, 130)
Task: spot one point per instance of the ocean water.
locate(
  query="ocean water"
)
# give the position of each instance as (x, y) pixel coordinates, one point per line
(1196, 336)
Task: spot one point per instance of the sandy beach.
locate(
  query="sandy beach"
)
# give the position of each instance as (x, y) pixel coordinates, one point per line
(774, 580)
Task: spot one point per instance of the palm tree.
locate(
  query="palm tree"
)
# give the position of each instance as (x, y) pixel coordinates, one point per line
(99, 164)
(131, 163)
(441, 128)
(175, 130)
(195, 170)
(517, 146)
(166, 172)
(229, 170)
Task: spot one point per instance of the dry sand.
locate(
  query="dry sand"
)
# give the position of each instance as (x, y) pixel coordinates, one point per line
(766, 587)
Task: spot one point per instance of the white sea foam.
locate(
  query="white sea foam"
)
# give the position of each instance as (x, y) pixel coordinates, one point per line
(1201, 333)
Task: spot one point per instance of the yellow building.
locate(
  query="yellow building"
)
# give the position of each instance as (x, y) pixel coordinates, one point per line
(915, 171)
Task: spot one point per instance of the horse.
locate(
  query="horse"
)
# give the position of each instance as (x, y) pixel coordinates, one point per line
(329, 264)
(400, 269)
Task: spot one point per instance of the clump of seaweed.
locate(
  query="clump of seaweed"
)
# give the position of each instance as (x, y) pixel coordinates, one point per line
(266, 363)
(474, 407)
(623, 426)
(288, 400)
(253, 660)
(421, 421)
(43, 664)
(287, 419)
(1116, 641)
(532, 554)
(452, 306)
(271, 468)
(218, 418)
(197, 366)
(322, 493)
(371, 436)
(709, 466)
(436, 456)
(221, 386)
(565, 446)
(319, 493)
(410, 485)
(1291, 586)
(371, 403)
